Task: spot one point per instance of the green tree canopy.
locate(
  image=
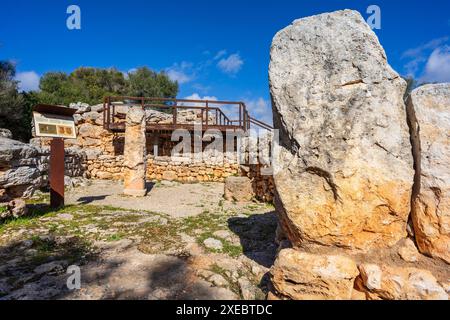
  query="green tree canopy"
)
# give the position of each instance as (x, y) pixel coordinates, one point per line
(147, 83)
(11, 102)
(91, 85)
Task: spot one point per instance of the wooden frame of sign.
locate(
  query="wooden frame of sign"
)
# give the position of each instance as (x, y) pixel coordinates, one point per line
(55, 122)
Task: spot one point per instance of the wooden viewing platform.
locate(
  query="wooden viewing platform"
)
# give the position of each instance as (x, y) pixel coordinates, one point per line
(209, 114)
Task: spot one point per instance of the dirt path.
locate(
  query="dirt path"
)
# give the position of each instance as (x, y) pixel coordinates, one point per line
(171, 198)
(193, 245)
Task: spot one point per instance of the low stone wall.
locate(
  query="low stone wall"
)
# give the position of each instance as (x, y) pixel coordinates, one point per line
(183, 170)
(20, 175)
(162, 168)
(24, 168)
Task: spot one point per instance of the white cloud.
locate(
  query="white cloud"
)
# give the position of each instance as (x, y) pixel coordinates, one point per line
(179, 76)
(260, 109)
(196, 96)
(126, 74)
(437, 68)
(418, 56)
(433, 44)
(181, 72)
(231, 65)
(28, 80)
(220, 54)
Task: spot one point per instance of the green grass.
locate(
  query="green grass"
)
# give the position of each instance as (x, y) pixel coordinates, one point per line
(233, 286)
(115, 237)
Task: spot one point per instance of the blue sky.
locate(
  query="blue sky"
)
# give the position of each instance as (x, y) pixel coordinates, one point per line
(215, 49)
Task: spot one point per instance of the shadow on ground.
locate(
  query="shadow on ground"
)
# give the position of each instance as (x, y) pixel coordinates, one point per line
(116, 271)
(257, 236)
(88, 200)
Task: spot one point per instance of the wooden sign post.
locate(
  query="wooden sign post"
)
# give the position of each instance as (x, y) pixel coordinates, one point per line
(55, 122)
(57, 168)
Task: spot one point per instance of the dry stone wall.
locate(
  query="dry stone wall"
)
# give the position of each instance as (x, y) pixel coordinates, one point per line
(24, 168)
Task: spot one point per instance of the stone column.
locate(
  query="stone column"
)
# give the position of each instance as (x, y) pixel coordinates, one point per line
(135, 153)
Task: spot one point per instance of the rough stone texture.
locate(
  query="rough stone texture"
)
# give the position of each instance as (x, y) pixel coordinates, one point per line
(135, 153)
(431, 200)
(261, 177)
(19, 172)
(344, 171)
(17, 208)
(238, 189)
(5, 133)
(213, 244)
(303, 276)
(408, 251)
(75, 168)
(392, 283)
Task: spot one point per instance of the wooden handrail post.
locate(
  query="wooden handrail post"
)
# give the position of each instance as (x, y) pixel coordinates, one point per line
(207, 114)
(108, 113)
(174, 111)
(104, 113)
(240, 114)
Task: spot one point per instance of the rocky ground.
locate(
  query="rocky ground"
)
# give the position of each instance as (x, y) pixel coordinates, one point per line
(191, 244)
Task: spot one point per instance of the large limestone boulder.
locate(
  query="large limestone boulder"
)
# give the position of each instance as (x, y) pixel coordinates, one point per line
(344, 168)
(431, 204)
(303, 276)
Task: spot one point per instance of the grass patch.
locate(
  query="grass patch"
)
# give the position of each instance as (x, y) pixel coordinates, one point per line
(114, 237)
(233, 286)
(160, 237)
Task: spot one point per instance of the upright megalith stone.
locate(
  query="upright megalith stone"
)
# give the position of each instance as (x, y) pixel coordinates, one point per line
(135, 153)
(429, 117)
(344, 170)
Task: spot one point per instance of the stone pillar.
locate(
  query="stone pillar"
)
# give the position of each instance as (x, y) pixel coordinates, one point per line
(135, 153)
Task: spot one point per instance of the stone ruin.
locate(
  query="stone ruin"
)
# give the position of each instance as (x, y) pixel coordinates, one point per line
(97, 153)
(360, 189)
(361, 176)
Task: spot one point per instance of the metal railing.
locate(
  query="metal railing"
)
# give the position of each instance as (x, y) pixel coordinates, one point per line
(211, 115)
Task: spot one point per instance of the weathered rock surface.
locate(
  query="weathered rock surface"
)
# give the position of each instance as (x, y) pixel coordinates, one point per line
(408, 251)
(238, 189)
(135, 153)
(19, 173)
(394, 283)
(5, 133)
(17, 208)
(344, 170)
(431, 203)
(303, 276)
